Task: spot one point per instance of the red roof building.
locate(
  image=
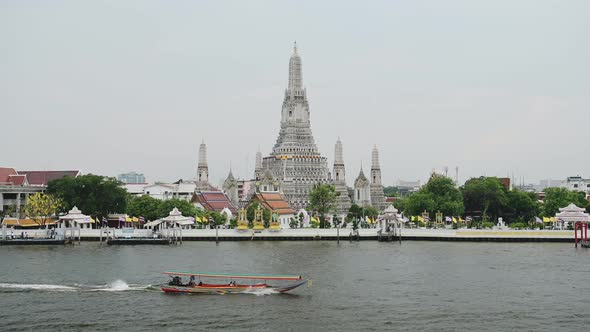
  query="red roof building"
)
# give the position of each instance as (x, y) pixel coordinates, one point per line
(5, 174)
(214, 201)
(41, 178)
(274, 202)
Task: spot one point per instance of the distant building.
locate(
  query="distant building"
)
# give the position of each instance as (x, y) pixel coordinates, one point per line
(407, 187)
(543, 184)
(506, 183)
(16, 186)
(131, 178)
(163, 191)
(577, 183)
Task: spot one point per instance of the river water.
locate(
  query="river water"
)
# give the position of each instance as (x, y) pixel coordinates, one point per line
(435, 286)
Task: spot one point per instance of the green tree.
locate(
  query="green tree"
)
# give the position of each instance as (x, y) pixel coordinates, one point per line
(419, 202)
(522, 205)
(556, 198)
(485, 194)
(446, 196)
(322, 200)
(145, 206)
(185, 207)
(94, 195)
(40, 207)
(439, 194)
(357, 214)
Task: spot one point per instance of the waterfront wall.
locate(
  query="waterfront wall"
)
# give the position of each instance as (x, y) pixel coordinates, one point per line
(331, 234)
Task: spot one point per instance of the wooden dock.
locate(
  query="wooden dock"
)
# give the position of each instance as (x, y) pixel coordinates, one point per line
(22, 242)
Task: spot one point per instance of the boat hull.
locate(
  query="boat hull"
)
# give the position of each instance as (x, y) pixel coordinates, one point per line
(224, 289)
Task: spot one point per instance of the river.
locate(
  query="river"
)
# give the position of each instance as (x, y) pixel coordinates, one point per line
(435, 286)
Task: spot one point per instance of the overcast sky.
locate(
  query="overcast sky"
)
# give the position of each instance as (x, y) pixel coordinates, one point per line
(493, 87)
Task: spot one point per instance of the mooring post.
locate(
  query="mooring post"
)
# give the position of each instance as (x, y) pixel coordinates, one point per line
(338, 234)
(216, 234)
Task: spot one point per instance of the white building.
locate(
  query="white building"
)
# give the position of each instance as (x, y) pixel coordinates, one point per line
(163, 191)
(577, 183)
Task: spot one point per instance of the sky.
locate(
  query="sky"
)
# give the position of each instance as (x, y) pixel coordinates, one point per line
(495, 88)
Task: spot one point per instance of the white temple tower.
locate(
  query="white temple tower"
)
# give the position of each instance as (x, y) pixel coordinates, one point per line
(377, 196)
(339, 179)
(295, 160)
(202, 168)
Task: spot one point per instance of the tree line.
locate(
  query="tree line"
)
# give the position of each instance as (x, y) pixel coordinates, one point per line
(488, 199)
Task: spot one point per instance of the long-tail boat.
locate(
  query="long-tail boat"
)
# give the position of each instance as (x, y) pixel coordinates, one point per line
(238, 283)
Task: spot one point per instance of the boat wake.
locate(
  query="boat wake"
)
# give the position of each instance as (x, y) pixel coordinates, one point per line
(121, 286)
(260, 291)
(39, 287)
(115, 286)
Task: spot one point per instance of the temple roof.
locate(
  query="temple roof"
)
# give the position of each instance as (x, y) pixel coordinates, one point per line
(274, 201)
(214, 201)
(361, 180)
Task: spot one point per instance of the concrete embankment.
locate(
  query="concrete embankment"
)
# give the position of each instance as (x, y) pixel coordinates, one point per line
(310, 234)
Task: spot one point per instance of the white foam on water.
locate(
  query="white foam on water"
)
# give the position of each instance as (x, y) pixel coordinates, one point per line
(121, 286)
(38, 287)
(260, 291)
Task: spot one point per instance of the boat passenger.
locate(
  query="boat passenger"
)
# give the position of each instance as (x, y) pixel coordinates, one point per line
(232, 283)
(191, 282)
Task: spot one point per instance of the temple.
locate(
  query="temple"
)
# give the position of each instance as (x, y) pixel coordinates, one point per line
(295, 162)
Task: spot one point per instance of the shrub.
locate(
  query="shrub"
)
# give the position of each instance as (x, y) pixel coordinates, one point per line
(518, 225)
(487, 225)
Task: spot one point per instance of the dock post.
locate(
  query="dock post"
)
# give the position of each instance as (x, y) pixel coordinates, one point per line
(576, 234)
(338, 234)
(216, 234)
(180, 233)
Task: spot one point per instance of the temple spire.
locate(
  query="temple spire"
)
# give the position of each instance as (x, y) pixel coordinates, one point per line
(338, 155)
(295, 77)
(375, 158)
(202, 167)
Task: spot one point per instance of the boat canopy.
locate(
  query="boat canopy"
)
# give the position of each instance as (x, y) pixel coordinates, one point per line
(237, 276)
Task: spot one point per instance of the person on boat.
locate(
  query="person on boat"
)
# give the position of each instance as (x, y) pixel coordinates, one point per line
(191, 282)
(232, 283)
(200, 283)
